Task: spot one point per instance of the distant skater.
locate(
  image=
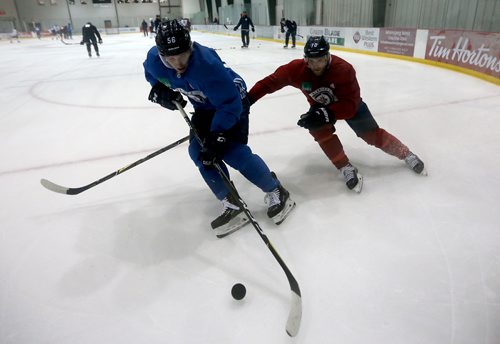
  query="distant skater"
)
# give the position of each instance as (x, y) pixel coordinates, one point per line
(245, 23)
(14, 36)
(91, 36)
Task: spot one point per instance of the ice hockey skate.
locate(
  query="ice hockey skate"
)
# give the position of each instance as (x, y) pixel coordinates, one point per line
(232, 218)
(353, 179)
(415, 164)
(279, 203)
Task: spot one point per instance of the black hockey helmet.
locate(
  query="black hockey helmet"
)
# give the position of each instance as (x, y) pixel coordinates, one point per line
(172, 38)
(316, 46)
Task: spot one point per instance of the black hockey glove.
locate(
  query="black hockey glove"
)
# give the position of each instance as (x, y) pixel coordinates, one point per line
(100, 41)
(235, 28)
(82, 43)
(253, 29)
(165, 96)
(213, 149)
(315, 118)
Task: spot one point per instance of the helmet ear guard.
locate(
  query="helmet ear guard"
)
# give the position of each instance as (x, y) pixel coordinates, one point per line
(172, 38)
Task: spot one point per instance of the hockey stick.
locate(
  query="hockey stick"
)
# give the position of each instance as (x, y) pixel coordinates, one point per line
(67, 43)
(74, 191)
(226, 27)
(295, 314)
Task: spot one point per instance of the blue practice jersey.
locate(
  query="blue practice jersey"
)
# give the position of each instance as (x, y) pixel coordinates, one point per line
(207, 82)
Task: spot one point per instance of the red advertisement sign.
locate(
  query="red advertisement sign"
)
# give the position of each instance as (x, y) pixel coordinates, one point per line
(479, 51)
(397, 41)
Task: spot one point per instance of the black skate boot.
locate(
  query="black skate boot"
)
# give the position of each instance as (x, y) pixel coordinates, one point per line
(231, 219)
(279, 203)
(353, 179)
(414, 162)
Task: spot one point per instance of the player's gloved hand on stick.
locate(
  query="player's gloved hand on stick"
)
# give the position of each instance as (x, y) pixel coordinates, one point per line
(235, 28)
(165, 96)
(213, 149)
(315, 118)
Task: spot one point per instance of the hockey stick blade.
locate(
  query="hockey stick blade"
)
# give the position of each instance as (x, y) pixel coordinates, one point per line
(226, 27)
(75, 191)
(54, 187)
(295, 315)
(68, 43)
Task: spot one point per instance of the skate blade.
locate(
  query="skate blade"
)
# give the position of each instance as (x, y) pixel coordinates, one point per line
(358, 186)
(281, 216)
(232, 226)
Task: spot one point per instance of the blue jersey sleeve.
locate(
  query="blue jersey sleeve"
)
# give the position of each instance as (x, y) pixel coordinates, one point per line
(148, 67)
(219, 84)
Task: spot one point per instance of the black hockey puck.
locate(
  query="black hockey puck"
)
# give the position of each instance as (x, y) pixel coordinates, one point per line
(239, 291)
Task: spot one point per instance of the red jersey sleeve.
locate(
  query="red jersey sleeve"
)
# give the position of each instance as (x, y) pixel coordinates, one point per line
(273, 82)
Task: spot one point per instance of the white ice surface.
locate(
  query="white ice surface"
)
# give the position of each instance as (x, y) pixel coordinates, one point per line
(409, 260)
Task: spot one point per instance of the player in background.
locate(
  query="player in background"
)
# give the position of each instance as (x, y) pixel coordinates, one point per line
(90, 35)
(69, 31)
(245, 23)
(151, 27)
(157, 23)
(221, 108)
(290, 27)
(186, 23)
(331, 88)
(54, 31)
(144, 28)
(38, 32)
(14, 36)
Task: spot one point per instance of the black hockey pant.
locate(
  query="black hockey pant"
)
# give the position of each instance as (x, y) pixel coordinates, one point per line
(94, 43)
(245, 37)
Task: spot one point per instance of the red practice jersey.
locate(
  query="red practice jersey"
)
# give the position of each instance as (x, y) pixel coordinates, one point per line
(337, 89)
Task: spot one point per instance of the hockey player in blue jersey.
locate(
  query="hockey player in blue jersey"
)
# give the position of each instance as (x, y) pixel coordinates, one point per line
(176, 67)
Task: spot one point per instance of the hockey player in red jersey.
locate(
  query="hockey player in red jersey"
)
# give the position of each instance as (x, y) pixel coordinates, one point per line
(331, 88)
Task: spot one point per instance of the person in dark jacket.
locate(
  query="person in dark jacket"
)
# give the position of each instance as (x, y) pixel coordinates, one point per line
(90, 35)
(157, 23)
(290, 27)
(245, 23)
(144, 28)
